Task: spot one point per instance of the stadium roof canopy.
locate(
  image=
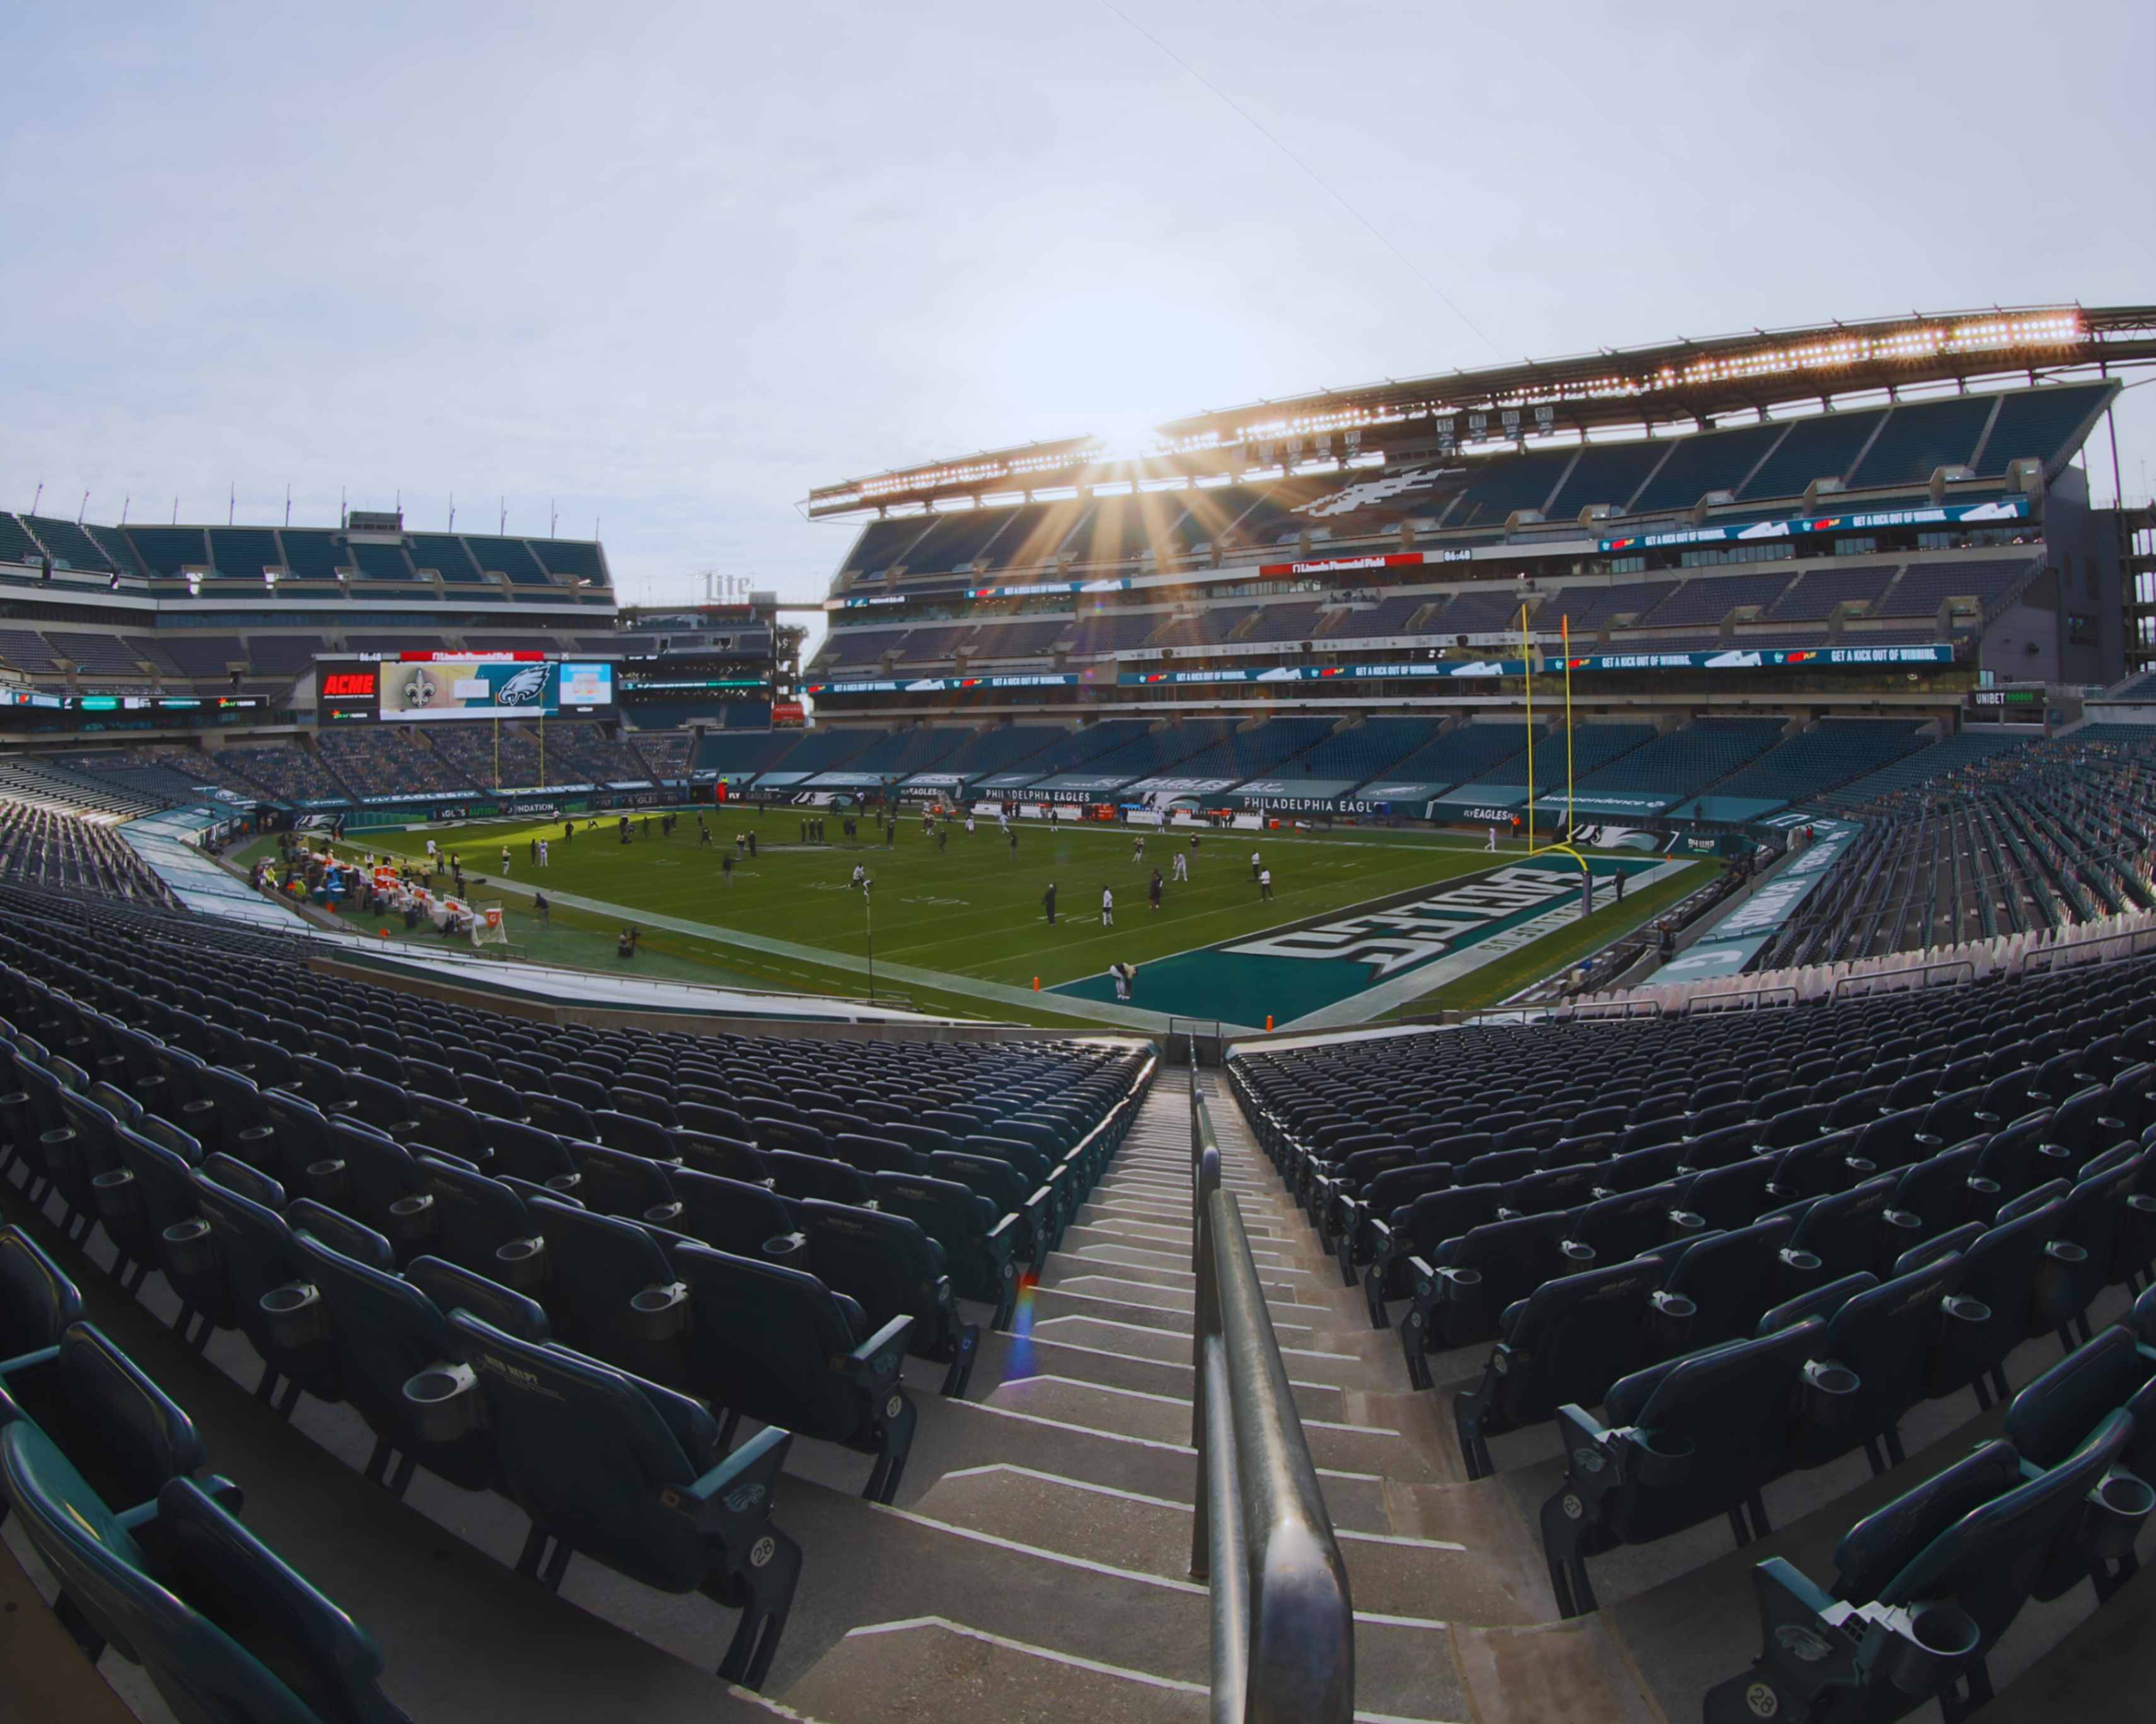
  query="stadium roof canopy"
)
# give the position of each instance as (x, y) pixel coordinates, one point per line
(1683, 382)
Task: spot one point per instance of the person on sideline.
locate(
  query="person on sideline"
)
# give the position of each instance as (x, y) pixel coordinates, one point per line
(1107, 906)
(1266, 885)
(1048, 903)
(1156, 888)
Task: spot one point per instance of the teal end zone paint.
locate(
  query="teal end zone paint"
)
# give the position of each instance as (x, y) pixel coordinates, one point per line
(1292, 972)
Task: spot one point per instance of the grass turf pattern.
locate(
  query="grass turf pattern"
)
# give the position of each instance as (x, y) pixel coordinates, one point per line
(965, 906)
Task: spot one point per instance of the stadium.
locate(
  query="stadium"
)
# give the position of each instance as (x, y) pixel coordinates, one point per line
(1480, 1048)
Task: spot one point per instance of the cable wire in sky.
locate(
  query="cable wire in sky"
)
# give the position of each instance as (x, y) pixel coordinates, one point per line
(1316, 178)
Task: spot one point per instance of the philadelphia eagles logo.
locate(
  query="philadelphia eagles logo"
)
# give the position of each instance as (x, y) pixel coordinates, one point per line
(526, 686)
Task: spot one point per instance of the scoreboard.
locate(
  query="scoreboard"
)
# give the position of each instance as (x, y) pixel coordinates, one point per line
(431, 687)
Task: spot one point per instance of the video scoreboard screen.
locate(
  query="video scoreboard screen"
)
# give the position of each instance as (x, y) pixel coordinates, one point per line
(429, 688)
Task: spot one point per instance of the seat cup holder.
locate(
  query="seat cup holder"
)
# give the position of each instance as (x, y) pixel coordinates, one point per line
(118, 1195)
(2066, 1251)
(1683, 1222)
(1903, 1219)
(1576, 1251)
(523, 1261)
(660, 1314)
(1802, 1262)
(190, 1246)
(1672, 1319)
(194, 1113)
(1862, 1167)
(444, 1403)
(330, 1180)
(253, 1137)
(2120, 1507)
(297, 1317)
(1830, 1392)
(1963, 1309)
(663, 1214)
(1659, 1458)
(412, 1219)
(782, 1248)
(1933, 1639)
(564, 1183)
(1460, 1286)
(112, 1068)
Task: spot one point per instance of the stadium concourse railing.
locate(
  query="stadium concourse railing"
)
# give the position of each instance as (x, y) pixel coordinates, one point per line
(1283, 1621)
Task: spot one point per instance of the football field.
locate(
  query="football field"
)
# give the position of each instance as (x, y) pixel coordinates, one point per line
(1360, 922)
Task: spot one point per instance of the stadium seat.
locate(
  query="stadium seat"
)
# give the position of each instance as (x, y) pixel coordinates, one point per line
(1418, 1231)
(978, 1244)
(630, 1475)
(1884, 1333)
(1928, 1583)
(224, 1629)
(888, 1266)
(610, 1292)
(118, 1430)
(280, 1312)
(770, 1344)
(1998, 1267)
(1568, 1341)
(387, 1333)
(730, 1215)
(1678, 1443)
(38, 1302)
(1466, 1286)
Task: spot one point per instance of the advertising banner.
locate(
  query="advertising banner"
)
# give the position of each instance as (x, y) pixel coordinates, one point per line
(1860, 520)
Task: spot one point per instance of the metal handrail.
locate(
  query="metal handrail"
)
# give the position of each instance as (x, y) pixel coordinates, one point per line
(1901, 979)
(1747, 998)
(1283, 1619)
(2044, 955)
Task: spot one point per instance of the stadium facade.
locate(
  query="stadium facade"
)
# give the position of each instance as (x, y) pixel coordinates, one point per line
(1864, 516)
(1408, 1372)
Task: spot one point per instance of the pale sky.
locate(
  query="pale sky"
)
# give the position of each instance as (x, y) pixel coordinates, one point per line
(668, 267)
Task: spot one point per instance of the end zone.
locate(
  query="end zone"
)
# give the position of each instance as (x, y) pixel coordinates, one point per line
(1347, 967)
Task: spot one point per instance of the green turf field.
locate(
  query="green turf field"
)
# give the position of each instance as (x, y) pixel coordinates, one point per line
(969, 911)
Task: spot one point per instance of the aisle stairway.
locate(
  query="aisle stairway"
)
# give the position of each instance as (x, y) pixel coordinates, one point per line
(1064, 1513)
(1036, 1564)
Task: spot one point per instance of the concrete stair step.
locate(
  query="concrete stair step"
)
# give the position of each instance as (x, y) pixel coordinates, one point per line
(1310, 1329)
(1389, 1573)
(1114, 1281)
(1152, 1255)
(986, 1434)
(928, 1670)
(1127, 1620)
(1151, 1264)
(1176, 1212)
(1352, 1446)
(1065, 1266)
(1171, 1238)
(1108, 1334)
(1052, 1356)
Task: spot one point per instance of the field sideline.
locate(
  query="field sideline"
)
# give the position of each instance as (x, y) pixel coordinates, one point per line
(968, 909)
